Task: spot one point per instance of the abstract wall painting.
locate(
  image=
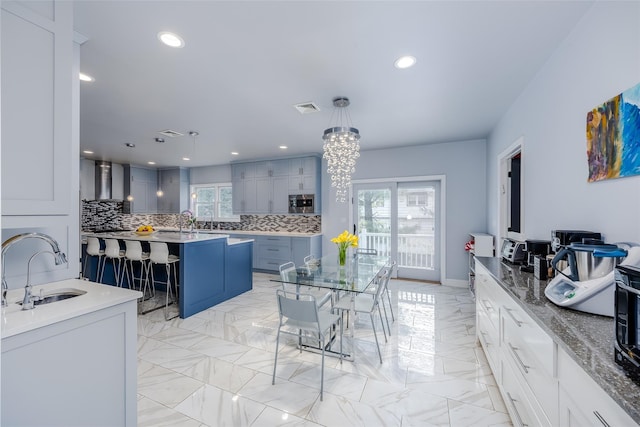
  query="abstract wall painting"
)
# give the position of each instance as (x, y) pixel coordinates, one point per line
(613, 137)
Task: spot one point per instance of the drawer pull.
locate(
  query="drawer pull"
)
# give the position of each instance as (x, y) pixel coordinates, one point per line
(601, 419)
(514, 350)
(515, 409)
(487, 306)
(273, 250)
(519, 323)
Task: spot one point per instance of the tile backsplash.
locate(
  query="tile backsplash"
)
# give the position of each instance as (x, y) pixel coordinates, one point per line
(102, 215)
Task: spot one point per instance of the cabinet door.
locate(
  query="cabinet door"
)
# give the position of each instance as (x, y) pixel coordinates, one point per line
(38, 90)
(280, 195)
(263, 195)
(140, 196)
(250, 196)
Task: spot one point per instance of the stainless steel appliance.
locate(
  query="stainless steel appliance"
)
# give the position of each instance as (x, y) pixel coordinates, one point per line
(588, 262)
(301, 203)
(562, 238)
(627, 320)
(513, 251)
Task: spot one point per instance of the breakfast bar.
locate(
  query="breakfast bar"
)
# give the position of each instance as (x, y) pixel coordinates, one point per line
(212, 268)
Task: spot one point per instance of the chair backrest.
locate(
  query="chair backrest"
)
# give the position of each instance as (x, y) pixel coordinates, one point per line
(133, 250)
(112, 248)
(93, 246)
(288, 272)
(299, 309)
(159, 253)
(381, 282)
(366, 251)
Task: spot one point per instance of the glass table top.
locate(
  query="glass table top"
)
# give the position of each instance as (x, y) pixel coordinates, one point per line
(355, 276)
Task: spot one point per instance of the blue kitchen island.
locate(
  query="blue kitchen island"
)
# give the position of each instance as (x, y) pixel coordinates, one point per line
(213, 267)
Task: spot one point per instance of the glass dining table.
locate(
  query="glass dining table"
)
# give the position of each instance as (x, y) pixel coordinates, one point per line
(345, 281)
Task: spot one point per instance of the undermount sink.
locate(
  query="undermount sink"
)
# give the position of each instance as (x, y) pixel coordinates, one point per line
(56, 296)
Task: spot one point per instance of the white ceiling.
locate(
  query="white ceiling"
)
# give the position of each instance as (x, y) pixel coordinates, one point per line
(245, 63)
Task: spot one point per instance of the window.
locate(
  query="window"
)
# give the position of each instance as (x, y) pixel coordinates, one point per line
(213, 202)
(415, 198)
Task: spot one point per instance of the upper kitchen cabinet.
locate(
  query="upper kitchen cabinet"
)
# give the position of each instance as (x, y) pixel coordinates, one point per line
(174, 184)
(40, 88)
(264, 187)
(140, 189)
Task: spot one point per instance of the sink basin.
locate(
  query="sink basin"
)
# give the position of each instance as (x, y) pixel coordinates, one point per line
(60, 295)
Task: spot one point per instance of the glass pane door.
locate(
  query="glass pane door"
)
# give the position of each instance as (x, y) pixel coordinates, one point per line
(417, 239)
(400, 220)
(373, 218)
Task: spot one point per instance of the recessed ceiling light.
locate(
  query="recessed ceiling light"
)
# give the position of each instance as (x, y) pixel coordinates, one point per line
(87, 152)
(170, 39)
(186, 158)
(151, 163)
(85, 77)
(234, 153)
(160, 140)
(405, 62)
(283, 147)
(130, 144)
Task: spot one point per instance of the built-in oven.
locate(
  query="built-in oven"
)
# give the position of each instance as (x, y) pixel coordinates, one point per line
(301, 203)
(627, 320)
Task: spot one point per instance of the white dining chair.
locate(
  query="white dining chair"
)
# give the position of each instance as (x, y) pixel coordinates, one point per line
(134, 254)
(289, 277)
(298, 313)
(366, 304)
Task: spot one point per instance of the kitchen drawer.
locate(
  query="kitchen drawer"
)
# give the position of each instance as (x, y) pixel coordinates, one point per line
(594, 407)
(522, 331)
(522, 406)
(528, 354)
(275, 251)
(489, 338)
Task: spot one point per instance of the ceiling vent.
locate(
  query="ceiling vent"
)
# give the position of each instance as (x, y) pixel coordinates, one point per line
(307, 107)
(170, 133)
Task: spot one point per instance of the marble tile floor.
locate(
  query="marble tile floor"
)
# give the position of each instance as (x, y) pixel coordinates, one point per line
(214, 368)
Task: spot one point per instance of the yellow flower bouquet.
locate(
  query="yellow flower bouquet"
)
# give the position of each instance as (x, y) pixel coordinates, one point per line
(344, 241)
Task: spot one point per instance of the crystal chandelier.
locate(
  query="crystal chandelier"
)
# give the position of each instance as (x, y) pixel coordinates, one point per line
(341, 149)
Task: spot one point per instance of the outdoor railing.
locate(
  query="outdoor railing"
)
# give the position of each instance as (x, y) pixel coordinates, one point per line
(414, 250)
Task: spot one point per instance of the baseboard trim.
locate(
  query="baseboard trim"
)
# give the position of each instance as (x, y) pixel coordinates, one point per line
(456, 283)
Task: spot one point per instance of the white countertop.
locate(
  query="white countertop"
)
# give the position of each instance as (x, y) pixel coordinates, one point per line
(261, 233)
(16, 321)
(160, 236)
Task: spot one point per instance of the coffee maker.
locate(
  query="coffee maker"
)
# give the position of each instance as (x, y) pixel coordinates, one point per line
(536, 255)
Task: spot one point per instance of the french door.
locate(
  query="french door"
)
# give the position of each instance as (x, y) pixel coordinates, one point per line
(401, 220)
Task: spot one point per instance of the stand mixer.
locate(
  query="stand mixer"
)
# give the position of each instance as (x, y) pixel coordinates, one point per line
(593, 295)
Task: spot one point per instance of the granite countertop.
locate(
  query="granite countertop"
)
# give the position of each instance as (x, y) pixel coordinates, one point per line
(261, 233)
(586, 338)
(96, 297)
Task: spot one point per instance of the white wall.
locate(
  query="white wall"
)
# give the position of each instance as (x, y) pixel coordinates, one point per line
(463, 164)
(598, 60)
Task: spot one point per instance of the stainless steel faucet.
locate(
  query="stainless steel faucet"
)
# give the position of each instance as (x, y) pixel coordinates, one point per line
(59, 256)
(28, 300)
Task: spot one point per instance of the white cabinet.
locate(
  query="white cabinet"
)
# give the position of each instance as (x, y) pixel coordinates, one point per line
(75, 372)
(582, 402)
(40, 128)
(539, 382)
(481, 245)
(38, 90)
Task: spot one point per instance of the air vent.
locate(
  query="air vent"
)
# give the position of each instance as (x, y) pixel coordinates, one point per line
(307, 107)
(170, 133)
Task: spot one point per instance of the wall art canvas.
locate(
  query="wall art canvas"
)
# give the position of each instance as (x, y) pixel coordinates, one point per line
(613, 137)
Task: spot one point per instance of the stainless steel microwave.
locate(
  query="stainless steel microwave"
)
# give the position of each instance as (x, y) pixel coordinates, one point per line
(301, 203)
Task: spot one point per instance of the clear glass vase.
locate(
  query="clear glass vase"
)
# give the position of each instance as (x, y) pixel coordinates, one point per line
(342, 255)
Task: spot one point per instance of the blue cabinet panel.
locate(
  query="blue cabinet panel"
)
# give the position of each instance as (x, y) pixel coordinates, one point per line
(202, 268)
(238, 269)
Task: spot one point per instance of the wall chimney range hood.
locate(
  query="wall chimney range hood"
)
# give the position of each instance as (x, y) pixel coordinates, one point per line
(103, 180)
